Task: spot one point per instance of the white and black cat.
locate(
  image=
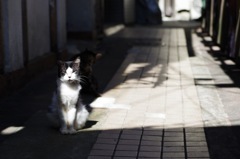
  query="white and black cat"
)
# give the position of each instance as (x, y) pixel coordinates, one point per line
(66, 108)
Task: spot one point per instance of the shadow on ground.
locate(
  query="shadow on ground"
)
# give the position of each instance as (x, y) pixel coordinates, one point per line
(38, 139)
(224, 142)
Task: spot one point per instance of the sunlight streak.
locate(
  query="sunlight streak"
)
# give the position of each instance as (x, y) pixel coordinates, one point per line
(133, 67)
(11, 130)
(108, 102)
(113, 30)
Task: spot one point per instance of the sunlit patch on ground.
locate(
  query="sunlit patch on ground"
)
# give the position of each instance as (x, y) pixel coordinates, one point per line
(11, 130)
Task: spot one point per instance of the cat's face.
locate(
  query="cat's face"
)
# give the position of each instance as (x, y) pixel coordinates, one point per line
(68, 71)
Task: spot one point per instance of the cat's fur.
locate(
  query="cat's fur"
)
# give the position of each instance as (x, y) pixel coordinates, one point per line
(67, 108)
(88, 82)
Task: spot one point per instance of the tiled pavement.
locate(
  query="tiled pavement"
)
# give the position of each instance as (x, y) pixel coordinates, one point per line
(159, 100)
(160, 104)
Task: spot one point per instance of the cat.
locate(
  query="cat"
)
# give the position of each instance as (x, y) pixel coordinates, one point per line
(88, 82)
(67, 108)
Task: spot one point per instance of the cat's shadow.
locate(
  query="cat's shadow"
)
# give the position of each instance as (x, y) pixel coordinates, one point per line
(89, 124)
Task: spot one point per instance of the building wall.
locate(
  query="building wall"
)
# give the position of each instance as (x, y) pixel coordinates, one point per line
(12, 35)
(25, 39)
(114, 11)
(129, 11)
(80, 15)
(61, 24)
(38, 28)
(120, 11)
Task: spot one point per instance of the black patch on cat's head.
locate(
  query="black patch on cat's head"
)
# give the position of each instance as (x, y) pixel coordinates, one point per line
(89, 57)
(63, 65)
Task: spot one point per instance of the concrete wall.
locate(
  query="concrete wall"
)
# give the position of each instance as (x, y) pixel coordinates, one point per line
(12, 35)
(120, 11)
(129, 11)
(80, 15)
(114, 11)
(61, 25)
(38, 27)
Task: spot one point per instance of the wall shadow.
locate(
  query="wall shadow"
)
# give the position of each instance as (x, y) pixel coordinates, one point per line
(39, 140)
(223, 141)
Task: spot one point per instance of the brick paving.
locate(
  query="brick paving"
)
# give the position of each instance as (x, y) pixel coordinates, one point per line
(160, 104)
(155, 109)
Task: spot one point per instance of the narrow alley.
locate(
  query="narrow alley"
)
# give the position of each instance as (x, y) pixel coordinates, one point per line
(167, 76)
(160, 103)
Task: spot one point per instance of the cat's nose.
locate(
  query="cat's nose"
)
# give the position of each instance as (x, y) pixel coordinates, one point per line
(69, 77)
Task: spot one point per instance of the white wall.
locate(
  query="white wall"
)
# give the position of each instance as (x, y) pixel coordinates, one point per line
(193, 6)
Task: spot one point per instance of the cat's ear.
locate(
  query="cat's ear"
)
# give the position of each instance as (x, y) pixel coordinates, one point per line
(76, 63)
(77, 60)
(98, 56)
(60, 63)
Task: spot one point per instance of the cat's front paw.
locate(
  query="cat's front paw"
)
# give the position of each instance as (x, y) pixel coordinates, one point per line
(64, 130)
(72, 131)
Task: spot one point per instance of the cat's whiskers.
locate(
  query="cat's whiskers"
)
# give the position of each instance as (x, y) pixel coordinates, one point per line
(84, 76)
(83, 81)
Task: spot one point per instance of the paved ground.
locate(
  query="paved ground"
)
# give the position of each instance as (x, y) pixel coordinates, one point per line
(164, 95)
(157, 111)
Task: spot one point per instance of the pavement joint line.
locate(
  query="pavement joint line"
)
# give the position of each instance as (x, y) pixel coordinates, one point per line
(163, 132)
(114, 151)
(185, 143)
(139, 146)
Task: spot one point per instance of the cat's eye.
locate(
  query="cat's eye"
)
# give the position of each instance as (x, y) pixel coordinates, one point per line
(75, 71)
